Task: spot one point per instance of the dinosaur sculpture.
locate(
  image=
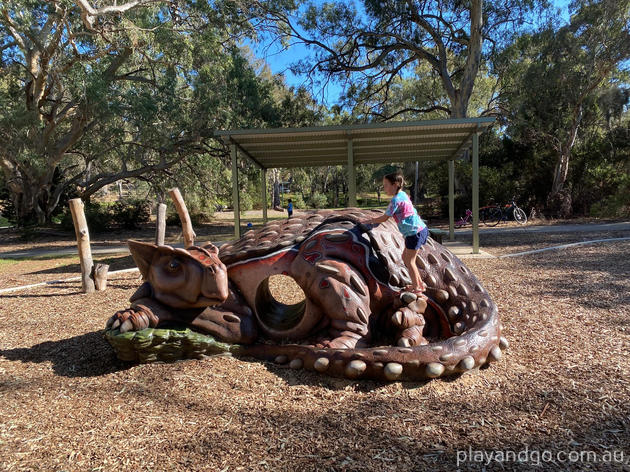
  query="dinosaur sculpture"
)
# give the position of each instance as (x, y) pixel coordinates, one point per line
(356, 320)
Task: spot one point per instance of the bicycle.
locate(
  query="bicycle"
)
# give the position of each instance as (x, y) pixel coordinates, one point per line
(493, 214)
(464, 220)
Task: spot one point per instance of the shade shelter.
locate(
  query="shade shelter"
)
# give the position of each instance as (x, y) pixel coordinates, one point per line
(350, 145)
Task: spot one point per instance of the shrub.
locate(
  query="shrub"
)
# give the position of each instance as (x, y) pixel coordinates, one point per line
(298, 201)
(246, 202)
(613, 206)
(172, 219)
(319, 200)
(97, 215)
(129, 214)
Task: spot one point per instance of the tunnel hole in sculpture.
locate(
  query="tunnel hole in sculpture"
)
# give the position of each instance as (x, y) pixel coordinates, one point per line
(280, 302)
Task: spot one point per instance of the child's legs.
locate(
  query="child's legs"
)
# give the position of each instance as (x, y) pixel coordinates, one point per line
(409, 258)
(412, 244)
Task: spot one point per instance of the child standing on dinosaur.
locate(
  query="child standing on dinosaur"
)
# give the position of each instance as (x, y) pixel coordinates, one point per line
(413, 229)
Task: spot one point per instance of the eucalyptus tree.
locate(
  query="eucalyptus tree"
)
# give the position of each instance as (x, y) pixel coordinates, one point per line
(372, 46)
(90, 95)
(552, 81)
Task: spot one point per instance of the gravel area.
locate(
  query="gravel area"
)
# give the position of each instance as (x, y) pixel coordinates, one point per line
(563, 386)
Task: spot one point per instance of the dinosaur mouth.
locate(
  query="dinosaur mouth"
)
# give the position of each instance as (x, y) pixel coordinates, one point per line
(207, 301)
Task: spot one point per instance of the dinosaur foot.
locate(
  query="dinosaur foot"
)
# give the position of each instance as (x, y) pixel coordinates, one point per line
(341, 342)
(409, 320)
(133, 319)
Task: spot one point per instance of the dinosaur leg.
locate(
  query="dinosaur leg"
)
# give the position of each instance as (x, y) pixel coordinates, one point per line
(343, 296)
(143, 313)
(409, 321)
(232, 321)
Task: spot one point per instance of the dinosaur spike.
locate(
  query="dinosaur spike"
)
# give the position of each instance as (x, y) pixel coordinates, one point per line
(355, 368)
(321, 364)
(447, 357)
(327, 269)
(441, 296)
(281, 359)
(357, 284)
(392, 370)
(296, 363)
(231, 318)
(459, 342)
(503, 343)
(408, 297)
(449, 275)
(494, 354)
(421, 263)
(434, 369)
(453, 313)
(362, 315)
(467, 363)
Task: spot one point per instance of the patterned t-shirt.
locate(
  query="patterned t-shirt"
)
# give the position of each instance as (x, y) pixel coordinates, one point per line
(407, 219)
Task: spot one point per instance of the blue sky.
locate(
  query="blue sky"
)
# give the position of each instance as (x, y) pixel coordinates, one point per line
(280, 61)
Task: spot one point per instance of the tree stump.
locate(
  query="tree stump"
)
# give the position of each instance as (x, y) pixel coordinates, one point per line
(100, 276)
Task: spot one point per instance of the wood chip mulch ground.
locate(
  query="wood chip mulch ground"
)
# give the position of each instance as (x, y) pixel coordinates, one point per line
(558, 400)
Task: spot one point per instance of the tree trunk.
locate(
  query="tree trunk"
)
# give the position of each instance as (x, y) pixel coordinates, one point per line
(559, 199)
(27, 202)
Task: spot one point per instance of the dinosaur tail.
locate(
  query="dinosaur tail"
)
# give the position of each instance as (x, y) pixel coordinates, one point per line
(457, 354)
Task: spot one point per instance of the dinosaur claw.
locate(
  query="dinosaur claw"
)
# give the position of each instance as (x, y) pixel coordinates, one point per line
(115, 324)
(126, 326)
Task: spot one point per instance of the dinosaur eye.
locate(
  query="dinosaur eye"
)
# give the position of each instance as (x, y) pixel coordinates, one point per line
(173, 265)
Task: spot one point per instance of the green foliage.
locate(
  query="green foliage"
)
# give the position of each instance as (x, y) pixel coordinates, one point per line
(616, 205)
(246, 202)
(559, 83)
(318, 200)
(102, 217)
(129, 214)
(298, 201)
(97, 215)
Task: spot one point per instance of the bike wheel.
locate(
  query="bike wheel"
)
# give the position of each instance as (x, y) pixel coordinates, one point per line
(520, 216)
(492, 216)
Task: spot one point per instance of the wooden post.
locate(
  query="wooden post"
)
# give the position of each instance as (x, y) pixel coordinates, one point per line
(83, 244)
(160, 224)
(100, 276)
(182, 211)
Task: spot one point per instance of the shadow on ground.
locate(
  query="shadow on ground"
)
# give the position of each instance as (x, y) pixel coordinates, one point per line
(87, 355)
(115, 263)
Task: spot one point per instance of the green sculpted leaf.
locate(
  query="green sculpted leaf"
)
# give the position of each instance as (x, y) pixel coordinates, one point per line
(151, 345)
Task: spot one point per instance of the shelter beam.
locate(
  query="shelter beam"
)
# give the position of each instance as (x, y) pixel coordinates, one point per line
(263, 185)
(352, 177)
(451, 200)
(475, 194)
(235, 197)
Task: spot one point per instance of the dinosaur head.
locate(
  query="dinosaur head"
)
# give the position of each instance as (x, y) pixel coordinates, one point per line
(182, 278)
